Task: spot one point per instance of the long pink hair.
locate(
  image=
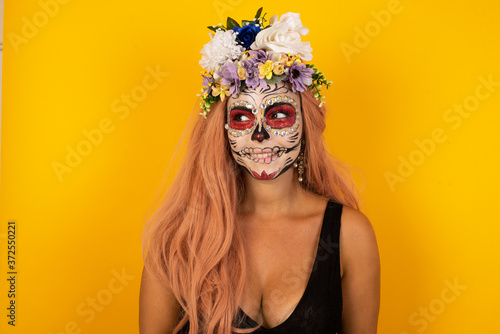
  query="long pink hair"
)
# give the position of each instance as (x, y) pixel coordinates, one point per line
(192, 241)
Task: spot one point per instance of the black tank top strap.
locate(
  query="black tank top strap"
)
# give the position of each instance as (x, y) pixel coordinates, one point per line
(328, 248)
(320, 309)
(335, 285)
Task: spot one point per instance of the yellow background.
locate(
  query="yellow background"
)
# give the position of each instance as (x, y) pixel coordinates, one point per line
(437, 224)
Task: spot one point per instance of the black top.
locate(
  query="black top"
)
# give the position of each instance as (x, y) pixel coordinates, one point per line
(320, 308)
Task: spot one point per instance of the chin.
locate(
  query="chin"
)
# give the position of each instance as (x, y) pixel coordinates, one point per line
(263, 175)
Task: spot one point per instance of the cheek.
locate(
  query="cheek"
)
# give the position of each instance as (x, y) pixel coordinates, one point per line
(292, 144)
(237, 143)
(292, 137)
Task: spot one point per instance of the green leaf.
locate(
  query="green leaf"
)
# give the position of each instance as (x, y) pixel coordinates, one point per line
(244, 22)
(275, 78)
(258, 13)
(212, 28)
(242, 85)
(232, 23)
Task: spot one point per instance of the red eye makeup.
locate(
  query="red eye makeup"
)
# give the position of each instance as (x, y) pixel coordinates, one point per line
(241, 119)
(280, 116)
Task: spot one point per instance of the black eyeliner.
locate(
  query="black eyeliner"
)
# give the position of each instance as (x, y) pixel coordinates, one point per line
(240, 108)
(278, 104)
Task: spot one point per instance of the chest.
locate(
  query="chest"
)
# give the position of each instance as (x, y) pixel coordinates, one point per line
(279, 265)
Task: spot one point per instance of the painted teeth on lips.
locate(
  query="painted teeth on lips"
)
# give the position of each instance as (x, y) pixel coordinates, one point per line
(263, 155)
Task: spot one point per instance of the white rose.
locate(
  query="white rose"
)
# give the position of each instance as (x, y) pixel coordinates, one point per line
(283, 36)
(221, 48)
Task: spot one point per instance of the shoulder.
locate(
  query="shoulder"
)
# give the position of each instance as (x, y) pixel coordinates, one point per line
(355, 224)
(360, 272)
(358, 244)
(158, 307)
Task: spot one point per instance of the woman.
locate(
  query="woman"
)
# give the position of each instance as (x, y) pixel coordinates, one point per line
(260, 231)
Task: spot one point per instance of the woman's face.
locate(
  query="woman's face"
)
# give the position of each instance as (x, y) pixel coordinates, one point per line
(265, 129)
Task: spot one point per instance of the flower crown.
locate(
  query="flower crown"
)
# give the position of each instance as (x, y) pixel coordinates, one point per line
(254, 54)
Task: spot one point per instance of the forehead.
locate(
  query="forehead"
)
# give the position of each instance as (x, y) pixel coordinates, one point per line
(256, 96)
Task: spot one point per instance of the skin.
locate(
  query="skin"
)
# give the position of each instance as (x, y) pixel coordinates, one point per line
(281, 224)
(249, 150)
(158, 307)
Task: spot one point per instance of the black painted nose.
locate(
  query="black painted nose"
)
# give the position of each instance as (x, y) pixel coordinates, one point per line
(260, 135)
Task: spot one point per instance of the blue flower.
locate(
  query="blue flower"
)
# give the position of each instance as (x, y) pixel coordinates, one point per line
(246, 35)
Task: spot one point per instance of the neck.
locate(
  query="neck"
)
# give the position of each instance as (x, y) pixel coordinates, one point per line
(272, 197)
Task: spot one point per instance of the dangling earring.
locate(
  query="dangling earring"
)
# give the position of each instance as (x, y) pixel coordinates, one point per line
(300, 165)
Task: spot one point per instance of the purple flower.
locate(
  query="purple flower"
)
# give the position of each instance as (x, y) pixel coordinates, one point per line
(229, 76)
(206, 83)
(246, 35)
(261, 56)
(252, 70)
(299, 76)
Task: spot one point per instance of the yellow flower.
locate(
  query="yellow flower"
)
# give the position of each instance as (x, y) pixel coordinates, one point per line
(206, 73)
(266, 70)
(241, 73)
(278, 68)
(293, 59)
(221, 90)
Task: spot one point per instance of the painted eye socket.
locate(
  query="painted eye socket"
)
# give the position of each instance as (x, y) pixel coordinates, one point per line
(281, 116)
(241, 119)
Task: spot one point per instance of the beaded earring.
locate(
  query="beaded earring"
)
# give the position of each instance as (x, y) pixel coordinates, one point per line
(300, 165)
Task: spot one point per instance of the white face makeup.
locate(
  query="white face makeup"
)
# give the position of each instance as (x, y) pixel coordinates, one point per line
(265, 129)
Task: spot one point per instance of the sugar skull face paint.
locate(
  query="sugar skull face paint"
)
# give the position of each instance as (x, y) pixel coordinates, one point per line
(265, 129)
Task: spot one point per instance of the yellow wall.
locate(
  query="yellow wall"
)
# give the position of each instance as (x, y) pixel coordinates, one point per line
(430, 173)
